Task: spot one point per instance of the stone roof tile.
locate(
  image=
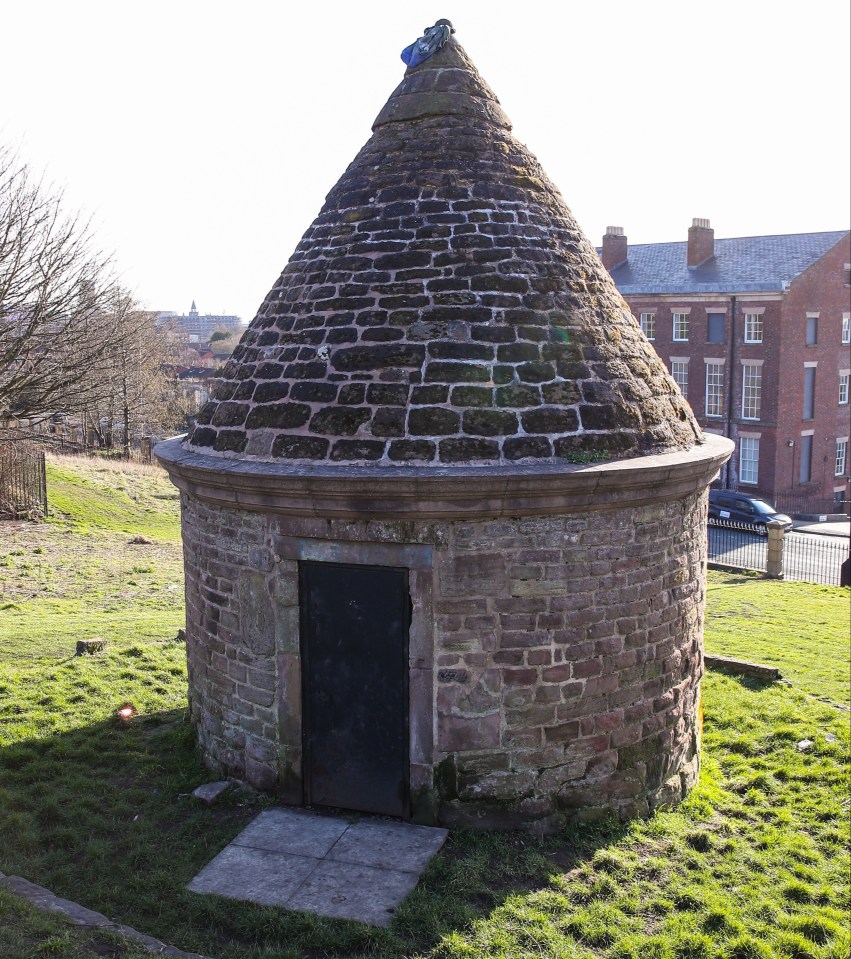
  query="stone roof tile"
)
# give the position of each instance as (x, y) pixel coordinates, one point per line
(443, 309)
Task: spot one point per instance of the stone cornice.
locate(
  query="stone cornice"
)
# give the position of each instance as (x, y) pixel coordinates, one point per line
(433, 493)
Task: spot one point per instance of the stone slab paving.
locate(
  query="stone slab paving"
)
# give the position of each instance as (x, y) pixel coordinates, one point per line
(343, 867)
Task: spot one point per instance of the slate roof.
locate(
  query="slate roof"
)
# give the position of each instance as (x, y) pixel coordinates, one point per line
(747, 264)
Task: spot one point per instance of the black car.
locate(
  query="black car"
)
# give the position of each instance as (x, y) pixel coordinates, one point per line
(726, 506)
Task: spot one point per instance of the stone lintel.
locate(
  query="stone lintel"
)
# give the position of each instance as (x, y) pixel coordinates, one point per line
(358, 492)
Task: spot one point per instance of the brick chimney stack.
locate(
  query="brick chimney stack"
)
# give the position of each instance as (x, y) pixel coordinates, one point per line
(614, 247)
(701, 242)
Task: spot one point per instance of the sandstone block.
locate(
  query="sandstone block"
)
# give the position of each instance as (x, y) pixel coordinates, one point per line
(462, 733)
(211, 792)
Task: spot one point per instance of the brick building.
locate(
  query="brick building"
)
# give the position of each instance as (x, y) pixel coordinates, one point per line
(757, 333)
(201, 326)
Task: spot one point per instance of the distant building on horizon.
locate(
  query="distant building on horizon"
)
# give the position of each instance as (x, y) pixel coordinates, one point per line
(756, 331)
(201, 326)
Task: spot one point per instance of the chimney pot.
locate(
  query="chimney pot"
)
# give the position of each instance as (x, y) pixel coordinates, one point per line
(701, 242)
(614, 248)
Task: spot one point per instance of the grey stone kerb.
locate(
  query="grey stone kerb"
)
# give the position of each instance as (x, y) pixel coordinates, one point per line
(363, 492)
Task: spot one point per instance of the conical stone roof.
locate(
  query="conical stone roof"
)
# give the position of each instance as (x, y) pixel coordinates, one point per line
(444, 308)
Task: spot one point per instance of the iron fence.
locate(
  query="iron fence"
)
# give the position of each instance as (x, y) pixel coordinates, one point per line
(795, 504)
(813, 558)
(23, 480)
(807, 557)
(61, 442)
(739, 545)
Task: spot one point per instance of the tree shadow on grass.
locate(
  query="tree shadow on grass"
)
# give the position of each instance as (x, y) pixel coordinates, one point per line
(103, 815)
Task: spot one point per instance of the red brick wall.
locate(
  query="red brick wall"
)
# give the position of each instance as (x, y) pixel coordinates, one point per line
(769, 351)
(783, 351)
(697, 349)
(819, 289)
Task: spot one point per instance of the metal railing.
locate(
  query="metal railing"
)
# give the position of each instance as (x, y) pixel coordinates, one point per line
(800, 556)
(61, 443)
(23, 480)
(797, 504)
(813, 558)
(738, 545)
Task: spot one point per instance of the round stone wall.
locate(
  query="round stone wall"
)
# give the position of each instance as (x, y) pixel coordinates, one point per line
(555, 657)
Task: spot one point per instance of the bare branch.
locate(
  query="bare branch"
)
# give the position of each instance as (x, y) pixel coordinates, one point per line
(55, 293)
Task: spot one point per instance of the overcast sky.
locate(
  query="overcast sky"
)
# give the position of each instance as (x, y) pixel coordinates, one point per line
(202, 137)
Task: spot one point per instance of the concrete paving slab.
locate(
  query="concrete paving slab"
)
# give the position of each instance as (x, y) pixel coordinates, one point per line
(829, 528)
(295, 831)
(350, 891)
(210, 792)
(356, 867)
(258, 875)
(388, 845)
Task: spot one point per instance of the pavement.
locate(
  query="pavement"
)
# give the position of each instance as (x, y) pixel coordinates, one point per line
(353, 867)
(830, 528)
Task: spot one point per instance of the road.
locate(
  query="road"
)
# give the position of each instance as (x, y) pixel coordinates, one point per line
(806, 556)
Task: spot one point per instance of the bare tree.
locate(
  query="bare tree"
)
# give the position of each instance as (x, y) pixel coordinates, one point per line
(133, 391)
(54, 287)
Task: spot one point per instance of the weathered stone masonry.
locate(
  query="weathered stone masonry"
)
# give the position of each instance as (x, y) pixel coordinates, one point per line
(564, 673)
(444, 307)
(445, 380)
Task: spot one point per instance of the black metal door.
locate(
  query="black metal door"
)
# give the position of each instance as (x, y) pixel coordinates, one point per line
(354, 628)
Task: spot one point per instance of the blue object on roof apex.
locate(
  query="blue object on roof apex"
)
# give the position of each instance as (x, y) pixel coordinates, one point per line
(749, 264)
(430, 42)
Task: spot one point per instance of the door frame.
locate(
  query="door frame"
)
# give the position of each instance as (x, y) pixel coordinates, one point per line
(305, 672)
(417, 560)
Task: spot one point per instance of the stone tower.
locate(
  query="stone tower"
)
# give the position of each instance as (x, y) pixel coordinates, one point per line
(445, 385)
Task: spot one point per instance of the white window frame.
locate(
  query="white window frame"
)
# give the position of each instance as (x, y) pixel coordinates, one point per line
(844, 377)
(841, 456)
(647, 322)
(752, 390)
(749, 460)
(680, 321)
(682, 381)
(846, 328)
(754, 330)
(715, 381)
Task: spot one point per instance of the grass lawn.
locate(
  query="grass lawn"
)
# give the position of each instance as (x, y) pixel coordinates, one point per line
(755, 863)
(800, 627)
(29, 932)
(79, 575)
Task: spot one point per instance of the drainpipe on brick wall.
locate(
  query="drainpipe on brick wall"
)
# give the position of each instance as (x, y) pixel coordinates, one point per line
(731, 353)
